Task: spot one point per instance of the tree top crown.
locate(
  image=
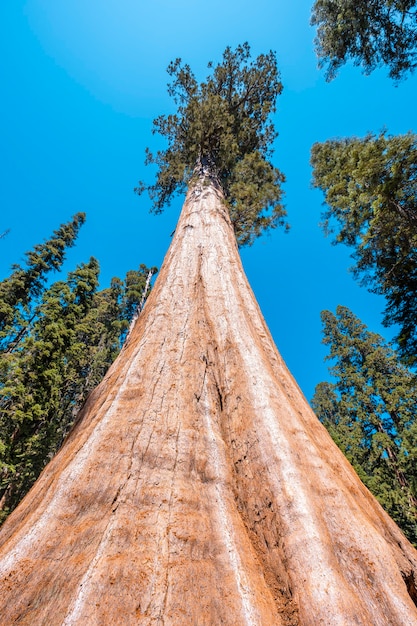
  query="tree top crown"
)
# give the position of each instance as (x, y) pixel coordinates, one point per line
(223, 125)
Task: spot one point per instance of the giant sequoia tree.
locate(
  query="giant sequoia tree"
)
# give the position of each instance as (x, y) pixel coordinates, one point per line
(372, 33)
(197, 486)
(370, 188)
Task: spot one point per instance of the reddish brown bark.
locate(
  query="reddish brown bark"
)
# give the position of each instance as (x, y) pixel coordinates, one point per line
(197, 486)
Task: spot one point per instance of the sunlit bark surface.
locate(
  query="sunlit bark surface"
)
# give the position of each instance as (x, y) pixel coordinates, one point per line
(197, 487)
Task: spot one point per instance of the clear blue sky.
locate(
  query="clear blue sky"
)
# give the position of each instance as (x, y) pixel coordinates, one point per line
(81, 82)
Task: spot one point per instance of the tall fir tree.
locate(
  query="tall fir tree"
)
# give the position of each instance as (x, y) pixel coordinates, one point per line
(370, 412)
(19, 292)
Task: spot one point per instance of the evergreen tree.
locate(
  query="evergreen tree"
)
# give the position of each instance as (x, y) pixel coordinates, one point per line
(370, 188)
(19, 292)
(371, 33)
(222, 127)
(75, 333)
(370, 412)
(34, 378)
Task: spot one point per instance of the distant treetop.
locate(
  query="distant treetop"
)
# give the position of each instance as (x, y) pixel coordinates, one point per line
(222, 127)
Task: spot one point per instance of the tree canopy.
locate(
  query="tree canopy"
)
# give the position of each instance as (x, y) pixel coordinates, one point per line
(372, 33)
(57, 342)
(370, 412)
(223, 127)
(370, 188)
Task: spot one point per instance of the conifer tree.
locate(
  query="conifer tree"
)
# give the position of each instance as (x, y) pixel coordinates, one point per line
(33, 382)
(370, 412)
(19, 292)
(370, 188)
(372, 34)
(222, 126)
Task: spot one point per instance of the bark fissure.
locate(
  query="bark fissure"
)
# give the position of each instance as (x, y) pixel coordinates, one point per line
(167, 572)
(411, 584)
(249, 615)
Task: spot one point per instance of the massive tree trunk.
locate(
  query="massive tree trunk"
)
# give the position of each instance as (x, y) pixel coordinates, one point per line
(197, 487)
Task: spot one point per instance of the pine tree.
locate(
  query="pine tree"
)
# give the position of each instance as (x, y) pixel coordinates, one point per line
(370, 188)
(372, 34)
(222, 127)
(370, 412)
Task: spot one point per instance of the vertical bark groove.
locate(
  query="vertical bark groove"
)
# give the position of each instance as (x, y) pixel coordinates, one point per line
(197, 487)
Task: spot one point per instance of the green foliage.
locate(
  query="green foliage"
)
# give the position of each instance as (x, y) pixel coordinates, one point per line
(74, 333)
(24, 285)
(370, 412)
(370, 188)
(222, 129)
(371, 33)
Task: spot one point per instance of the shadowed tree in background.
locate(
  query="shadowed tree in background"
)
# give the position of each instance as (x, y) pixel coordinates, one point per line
(371, 33)
(370, 188)
(370, 412)
(197, 486)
